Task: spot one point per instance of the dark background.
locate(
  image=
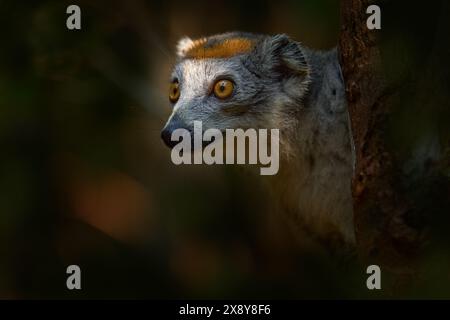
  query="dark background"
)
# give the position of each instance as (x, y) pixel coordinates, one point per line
(86, 180)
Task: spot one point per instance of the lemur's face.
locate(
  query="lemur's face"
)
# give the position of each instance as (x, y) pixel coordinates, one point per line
(235, 81)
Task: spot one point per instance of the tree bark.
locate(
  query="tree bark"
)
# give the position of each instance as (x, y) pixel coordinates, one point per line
(380, 206)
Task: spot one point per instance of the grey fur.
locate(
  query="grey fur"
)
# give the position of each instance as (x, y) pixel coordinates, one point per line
(281, 84)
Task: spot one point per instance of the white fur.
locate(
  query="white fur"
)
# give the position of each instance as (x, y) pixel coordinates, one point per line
(183, 46)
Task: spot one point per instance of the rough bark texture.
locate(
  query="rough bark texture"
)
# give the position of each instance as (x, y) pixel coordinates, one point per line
(379, 204)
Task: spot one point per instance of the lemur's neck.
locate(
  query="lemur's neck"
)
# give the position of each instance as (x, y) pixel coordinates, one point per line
(321, 126)
(316, 162)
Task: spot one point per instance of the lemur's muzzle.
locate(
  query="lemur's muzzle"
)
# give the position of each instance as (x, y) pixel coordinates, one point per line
(166, 133)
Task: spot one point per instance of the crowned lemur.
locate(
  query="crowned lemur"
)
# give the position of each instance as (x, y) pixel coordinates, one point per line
(241, 80)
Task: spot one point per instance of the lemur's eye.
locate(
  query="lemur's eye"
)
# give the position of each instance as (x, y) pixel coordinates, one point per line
(174, 92)
(223, 89)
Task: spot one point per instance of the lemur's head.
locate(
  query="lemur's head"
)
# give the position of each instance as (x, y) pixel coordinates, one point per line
(236, 80)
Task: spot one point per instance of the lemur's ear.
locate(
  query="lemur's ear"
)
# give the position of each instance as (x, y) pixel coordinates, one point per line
(281, 53)
(183, 46)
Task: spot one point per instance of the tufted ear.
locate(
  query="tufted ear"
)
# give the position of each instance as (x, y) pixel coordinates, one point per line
(183, 46)
(281, 54)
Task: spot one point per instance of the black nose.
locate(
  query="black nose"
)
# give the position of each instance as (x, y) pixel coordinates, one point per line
(166, 136)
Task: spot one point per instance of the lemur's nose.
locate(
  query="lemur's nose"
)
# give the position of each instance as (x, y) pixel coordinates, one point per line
(166, 133)
(166, 136)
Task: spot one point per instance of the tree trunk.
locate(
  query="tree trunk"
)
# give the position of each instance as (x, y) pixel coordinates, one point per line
(379, 206)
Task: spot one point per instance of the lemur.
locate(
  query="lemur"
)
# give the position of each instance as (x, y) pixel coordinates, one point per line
(242, 80)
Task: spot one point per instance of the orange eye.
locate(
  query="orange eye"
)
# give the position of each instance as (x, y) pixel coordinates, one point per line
(223, 89)
(174, 92)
